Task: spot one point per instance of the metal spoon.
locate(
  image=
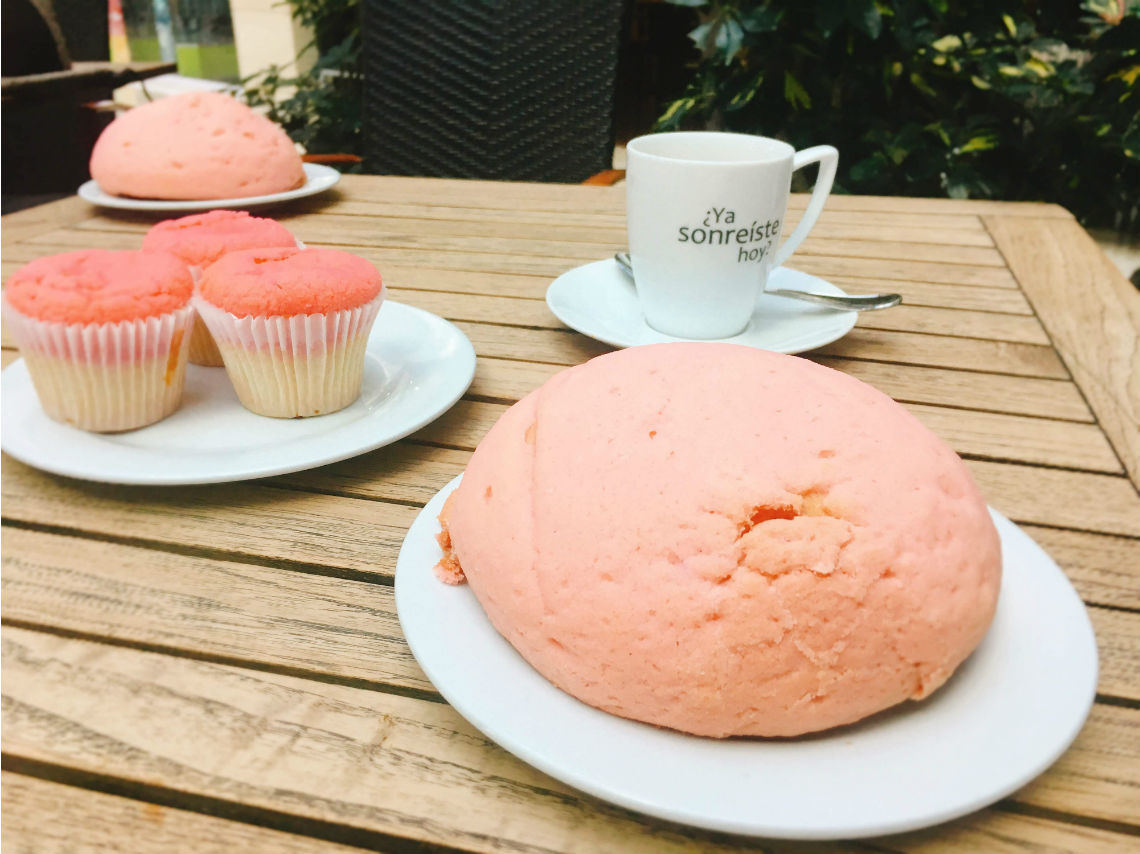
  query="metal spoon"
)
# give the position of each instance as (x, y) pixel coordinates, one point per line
(865, 302)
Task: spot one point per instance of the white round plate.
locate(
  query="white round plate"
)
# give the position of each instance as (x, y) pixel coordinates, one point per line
(599, 300)
(318, 178)
(1005, 716)
(416, 366)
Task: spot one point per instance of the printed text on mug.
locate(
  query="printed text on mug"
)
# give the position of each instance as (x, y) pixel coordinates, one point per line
(718, 228)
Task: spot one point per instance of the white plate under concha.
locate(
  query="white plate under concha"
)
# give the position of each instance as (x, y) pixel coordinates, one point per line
(1004, 717)
(318, 178)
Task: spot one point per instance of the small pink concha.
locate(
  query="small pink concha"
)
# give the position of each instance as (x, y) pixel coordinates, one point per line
(725, 541)
(199, 145)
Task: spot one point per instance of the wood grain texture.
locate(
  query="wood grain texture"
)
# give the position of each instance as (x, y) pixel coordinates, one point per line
(969, 297)
(388, 764)
(42, 817)
(1105, 570)
(290, 620)
(930, 320)
(1118, 641)
(254, 521)
(231, 610)
(957, 322)
(1005, 833)
(394, 765)
(1098, 776)
(1092, 314)
(563, 347)
(1060, 499)
(33, 221)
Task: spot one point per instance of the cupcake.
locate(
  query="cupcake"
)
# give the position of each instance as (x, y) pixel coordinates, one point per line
(202, 239)
(104, 335)
(291, 325)
(199, 145)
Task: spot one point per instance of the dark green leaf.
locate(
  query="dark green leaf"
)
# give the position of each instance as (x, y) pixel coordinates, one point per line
(763, 18)
(866, 17)
(794, 93)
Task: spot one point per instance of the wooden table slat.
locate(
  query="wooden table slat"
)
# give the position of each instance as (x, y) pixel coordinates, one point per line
(42, 816)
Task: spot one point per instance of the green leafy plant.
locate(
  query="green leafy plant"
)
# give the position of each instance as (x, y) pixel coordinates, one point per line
(323, 110)
(1001, 99)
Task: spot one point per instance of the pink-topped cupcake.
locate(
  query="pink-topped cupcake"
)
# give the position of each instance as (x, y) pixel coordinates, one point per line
(104, 335)
(202, 239)
(292, 326)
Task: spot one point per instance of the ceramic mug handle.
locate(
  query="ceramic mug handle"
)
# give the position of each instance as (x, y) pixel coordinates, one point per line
(828, 159)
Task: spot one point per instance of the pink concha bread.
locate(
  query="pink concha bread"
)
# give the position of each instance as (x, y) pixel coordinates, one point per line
(199, 145)
(725, 541)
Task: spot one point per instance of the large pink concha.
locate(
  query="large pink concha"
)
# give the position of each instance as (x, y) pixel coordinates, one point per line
(725, 541)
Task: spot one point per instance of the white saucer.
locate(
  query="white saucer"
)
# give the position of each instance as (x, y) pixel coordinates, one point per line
(416, 366)
(599, 300)
(1007, 714)
(318, 179)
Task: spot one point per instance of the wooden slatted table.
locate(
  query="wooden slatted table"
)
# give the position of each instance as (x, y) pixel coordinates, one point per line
(220, 668)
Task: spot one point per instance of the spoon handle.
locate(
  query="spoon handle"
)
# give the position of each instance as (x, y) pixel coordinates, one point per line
(868, 302)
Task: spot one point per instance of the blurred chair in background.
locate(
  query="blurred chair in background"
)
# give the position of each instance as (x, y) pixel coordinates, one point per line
(503, 89)
(54, 65)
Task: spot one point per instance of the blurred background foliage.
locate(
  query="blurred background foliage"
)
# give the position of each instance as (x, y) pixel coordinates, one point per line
(321, 107)
(989, 99)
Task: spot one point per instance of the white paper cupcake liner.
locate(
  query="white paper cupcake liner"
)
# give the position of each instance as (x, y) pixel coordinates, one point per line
(203, 348)
(296, 366)
(106, 377)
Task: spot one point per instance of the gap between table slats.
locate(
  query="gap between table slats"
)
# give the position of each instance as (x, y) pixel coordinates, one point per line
(40, 815)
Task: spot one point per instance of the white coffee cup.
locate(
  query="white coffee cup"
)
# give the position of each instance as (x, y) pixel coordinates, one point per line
(705, 211)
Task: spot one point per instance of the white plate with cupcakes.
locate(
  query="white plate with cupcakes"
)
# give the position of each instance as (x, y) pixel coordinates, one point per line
(786, 612)
(196, 152)
(297, 360)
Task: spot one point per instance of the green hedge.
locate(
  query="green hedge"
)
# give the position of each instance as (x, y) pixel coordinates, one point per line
(992, 99)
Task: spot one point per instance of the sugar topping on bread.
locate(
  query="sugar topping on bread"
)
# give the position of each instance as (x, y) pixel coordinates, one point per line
(725, 541)
(198, 145)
